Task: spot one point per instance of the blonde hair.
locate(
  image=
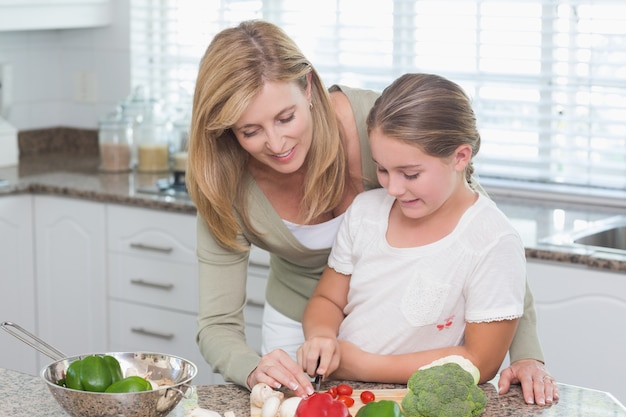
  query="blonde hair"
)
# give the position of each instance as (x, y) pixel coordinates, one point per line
(232, 72)
(430, 112)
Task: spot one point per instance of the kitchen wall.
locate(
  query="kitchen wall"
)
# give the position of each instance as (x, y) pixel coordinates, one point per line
(68, 77)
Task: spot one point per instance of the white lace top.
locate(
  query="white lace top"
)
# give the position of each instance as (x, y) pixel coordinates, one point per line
(420, 298)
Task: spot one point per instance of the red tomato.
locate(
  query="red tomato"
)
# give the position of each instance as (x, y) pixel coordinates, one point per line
(332, 391)
(346, 399)
(367, 397)
(344, 389)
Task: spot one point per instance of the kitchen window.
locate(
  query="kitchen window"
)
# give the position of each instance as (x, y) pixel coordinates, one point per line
(547, 78)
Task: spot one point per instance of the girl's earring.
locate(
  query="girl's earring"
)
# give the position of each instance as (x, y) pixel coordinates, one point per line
(311, 105)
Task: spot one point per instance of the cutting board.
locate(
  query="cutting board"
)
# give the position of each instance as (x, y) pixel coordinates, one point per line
(380, 394)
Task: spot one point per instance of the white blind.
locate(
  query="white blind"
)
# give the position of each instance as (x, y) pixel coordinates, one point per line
(547, 77)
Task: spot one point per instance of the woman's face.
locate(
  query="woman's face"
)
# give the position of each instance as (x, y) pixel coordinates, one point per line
(276, 128)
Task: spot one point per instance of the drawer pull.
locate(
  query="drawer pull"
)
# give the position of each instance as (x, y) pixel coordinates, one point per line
(255, 303)
(166, 287)
(145, 332)
(143, 246)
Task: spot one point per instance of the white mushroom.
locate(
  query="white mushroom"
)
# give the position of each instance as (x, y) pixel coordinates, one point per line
(261, 392)
(288, 407)
(229, 414)
(202, 412)
(270, 407)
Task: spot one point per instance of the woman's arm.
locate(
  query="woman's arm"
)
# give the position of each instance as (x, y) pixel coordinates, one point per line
(222, 298)
(486, 345)
(526, 344)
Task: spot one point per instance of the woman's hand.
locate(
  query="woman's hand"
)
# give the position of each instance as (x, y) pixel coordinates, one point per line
(538, 386)
(277, 369)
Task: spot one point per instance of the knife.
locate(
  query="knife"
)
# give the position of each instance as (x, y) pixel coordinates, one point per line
(318, 377)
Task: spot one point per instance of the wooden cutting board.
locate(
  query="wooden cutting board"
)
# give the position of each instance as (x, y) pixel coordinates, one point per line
(381, 394)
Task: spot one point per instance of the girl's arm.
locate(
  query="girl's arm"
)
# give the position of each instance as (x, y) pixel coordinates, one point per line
(321, 320)
(486, 345)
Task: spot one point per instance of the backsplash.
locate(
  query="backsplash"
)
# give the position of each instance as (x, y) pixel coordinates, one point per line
(58, 140)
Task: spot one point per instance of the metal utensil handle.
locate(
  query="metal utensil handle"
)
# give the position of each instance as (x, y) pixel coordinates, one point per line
(32, 341)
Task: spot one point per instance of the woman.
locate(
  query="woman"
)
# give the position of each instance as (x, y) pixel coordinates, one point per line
(274, 161)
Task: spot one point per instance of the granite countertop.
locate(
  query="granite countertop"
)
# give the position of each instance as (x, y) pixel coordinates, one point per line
(77, 176)
(23, 395)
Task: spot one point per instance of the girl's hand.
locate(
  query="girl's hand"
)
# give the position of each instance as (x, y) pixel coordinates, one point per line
(277, 369)
(319, 355)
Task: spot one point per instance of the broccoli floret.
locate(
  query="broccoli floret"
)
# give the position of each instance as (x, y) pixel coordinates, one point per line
(479, 400)
(443, 391)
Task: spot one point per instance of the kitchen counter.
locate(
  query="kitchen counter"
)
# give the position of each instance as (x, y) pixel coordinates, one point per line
(24, 395)
(77, 176)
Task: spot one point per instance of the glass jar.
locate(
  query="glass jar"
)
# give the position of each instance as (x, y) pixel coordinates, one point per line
(115, 138)
(150, 132)
(153, 153)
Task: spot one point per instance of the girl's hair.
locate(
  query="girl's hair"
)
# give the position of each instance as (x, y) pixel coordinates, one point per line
(428, 111)
(232, 72)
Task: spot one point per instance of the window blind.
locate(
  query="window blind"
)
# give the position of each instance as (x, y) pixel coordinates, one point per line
(547, 78)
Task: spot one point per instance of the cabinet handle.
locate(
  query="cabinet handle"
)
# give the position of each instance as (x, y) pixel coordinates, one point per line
(143, 246)
(141, 330)
(166, 287)
(254, 303)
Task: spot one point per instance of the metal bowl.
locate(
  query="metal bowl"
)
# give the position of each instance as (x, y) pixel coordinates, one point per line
(155, 403)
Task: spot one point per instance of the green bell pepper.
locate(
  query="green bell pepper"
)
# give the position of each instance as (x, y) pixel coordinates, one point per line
(382, 408)
(93, 373)
(130, 384)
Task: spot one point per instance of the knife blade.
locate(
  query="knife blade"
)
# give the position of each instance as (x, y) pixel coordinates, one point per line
(318, 377)
(318, 382)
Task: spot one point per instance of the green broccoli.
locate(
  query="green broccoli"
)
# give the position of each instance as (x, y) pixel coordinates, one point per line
(443, 391)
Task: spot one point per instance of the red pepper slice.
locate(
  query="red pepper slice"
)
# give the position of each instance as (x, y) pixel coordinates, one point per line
(321, 405)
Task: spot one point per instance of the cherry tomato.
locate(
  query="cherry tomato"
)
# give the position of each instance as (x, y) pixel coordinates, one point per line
(344, 389)
(367, 397)
(346, 399)
(332, 391)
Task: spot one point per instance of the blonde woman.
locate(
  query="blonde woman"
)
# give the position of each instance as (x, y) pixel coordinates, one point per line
(274, 161)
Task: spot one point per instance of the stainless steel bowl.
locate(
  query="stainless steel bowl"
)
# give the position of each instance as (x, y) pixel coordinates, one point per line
(155, 403)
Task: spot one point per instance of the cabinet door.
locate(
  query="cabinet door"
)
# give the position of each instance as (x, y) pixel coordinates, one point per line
(71, 274)
(17, 297)
(54, 14)
(581, 316)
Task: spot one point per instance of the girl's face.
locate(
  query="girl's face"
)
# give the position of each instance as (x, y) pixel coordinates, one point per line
(277, 128)
(421, 183)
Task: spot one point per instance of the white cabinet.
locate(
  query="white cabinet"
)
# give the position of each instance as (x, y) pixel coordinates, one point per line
(17, 297)
(53, 14)
(71, 274)
(581, 314)
(93, 277)
(153, 277)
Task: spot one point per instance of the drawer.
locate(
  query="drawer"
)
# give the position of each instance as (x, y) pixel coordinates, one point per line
(151, 233)
(142, 328)
(171, 285)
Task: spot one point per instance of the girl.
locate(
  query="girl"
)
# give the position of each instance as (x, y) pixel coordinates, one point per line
(425, 267)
